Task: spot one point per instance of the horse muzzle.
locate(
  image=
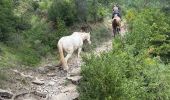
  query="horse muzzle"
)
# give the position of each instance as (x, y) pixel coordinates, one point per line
(89, 42)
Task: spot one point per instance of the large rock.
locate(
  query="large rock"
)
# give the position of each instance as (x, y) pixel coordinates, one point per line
(69, 88)
(5, 94)
(38, 81)
(51, 83)
(46, 68)
(51, 74)
(43, 70)
(65, 96)
(35, 95)
(50, 66)
(75, 71)
(74, 79)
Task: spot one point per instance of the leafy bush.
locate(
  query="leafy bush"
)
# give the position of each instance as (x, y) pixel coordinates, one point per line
(149, 29)
(96, 11)
(76, 11)
(81, 10)
(28, 56)
(52, 38)
(7, 20)
(62, 9)
(120, 75)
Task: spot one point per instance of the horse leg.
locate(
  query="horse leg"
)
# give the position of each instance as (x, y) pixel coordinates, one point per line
(79, 50)
(117, 30)
(114, 32)
(66, 59)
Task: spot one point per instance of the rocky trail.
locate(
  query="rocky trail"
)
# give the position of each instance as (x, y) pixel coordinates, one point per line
(49, 82)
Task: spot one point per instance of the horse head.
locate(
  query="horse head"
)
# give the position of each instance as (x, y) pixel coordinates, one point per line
(86, 36)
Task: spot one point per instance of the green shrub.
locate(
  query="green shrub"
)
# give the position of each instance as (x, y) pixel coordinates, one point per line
(96, 11)
(51, 38)
(120, 75)
(62, 9)
(7, 20)
(149, 29)
(28, 56)
(81, 7)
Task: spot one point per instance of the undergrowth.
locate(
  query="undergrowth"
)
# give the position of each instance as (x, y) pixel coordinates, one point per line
(119, 75)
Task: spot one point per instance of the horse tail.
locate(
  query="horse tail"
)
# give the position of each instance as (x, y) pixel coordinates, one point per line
(62, 60)
(114, 23)
(114, 20)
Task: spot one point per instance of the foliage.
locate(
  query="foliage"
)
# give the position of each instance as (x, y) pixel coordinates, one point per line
(63, 9)
(7, 20)
(96, 11)
(61, 31)
(151, 28)
(76, 11)
(121, 75)
(81, 10)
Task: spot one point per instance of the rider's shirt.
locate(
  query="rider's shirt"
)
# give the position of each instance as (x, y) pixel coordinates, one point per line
(115, 10)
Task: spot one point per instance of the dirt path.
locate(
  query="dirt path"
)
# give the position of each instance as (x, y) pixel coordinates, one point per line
(51, 83)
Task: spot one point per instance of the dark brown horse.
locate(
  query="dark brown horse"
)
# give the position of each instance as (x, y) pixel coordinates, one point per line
(116, 23)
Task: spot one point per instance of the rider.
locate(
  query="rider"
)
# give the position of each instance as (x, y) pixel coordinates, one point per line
(116, 10)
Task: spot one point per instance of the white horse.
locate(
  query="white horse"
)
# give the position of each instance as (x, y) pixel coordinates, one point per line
(71, 43)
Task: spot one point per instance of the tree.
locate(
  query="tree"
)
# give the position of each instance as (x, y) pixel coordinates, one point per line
(7, 20)
(81, 10)
(62, 9)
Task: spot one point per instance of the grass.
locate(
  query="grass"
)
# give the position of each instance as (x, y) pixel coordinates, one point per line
(7, 58)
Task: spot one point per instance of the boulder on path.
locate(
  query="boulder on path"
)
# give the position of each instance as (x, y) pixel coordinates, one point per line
(75, 71)
(50, 67)
(43, 70)
(51, 74)
(5, 94)
(74, 79)
(69, 88)
(65, 96)
(39, 94)
(51, 83)
(34, 95)
(38, 82)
